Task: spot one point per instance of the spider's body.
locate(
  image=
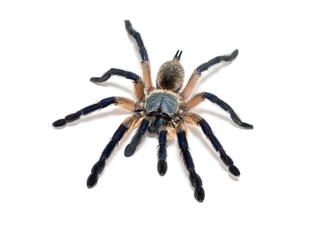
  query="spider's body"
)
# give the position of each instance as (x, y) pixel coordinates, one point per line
(162, 101)
(164, 111)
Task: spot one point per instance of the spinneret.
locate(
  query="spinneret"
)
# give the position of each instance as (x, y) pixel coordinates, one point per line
(164, 110)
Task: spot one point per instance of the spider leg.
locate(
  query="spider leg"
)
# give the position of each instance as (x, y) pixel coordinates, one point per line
(190, 86)
(154, 124)
(138, 83)
(99, 166)
(130, 148)
(197, 99)
(119, 101)
(162, 153)
(145, 61)
(195, 179)
(196, 119)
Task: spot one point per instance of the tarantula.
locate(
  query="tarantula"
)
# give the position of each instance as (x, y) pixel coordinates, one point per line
(164, 110)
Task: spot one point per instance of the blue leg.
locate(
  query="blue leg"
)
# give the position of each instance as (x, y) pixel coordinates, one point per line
(193, 102)
(190, 86)
(146, 71)
(162, 153)
(117, 72)
(136, 35)
(195, 179)
(130, 149)
(75, 116)
(224, 157)
(99, 166)
(226, 58)
(227, 108)
(137, 81)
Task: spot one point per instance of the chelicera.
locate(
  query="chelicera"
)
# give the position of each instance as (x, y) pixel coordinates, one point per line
(164, 110)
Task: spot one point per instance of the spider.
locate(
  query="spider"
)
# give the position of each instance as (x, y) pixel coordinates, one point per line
(164, 110)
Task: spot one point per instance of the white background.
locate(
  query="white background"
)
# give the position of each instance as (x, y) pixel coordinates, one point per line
(50, 49)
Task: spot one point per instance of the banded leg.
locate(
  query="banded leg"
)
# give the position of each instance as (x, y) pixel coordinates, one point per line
(99, 166)
(130, 149)
(145, 60)
(190, 86)
(196, 119)
(195, 179)
(119, 101)
(162, 153)
(138, 83)
(197, 99)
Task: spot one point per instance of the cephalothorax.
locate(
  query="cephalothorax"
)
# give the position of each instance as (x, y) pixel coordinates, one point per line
(164, 111)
